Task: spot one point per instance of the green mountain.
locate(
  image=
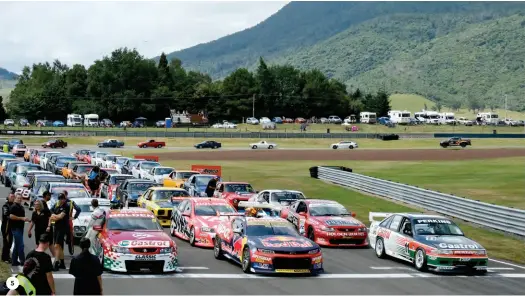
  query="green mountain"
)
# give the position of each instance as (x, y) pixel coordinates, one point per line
(470, 52)
(6, 75)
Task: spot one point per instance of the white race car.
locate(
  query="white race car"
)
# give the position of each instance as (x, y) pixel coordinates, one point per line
(263, 145)
(141, 168)
(45, 158)
(158, 174)
(80, 224)
(344, 145)
(277, 198)
(98, 158)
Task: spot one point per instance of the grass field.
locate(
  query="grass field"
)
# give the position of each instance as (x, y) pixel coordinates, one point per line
(415, 103)
(287, 143)
(295, 175)
(5, 270)
(4, 92)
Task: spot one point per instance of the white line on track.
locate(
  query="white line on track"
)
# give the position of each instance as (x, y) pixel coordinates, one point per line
(507, 263)
(323, 276)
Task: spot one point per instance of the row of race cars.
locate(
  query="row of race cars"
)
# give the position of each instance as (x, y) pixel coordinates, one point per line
(271, 231)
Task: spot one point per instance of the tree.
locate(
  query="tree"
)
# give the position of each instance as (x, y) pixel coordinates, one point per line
(439, 106)
(3, 114)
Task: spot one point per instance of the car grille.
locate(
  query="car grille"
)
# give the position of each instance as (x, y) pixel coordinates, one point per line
(463, 264)
(354, 229)
(292, 263)
(145, 250)
(291, 253)
(164, 213)
(351, 241)
(155, 266)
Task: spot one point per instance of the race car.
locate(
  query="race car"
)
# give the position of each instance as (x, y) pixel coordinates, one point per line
(177, 178)
(196, 219)
(80, 154)
(267, 245)
(142, 167)
(158, 200)
(55, 143)
(234, 192)
(327, 223)
(81, 223)
(110, 143)
(158, 174)
(130, 191)
(113, 181)
(278, 198)
(132, 240)
(196, 184)
(427, 241)
(19, 150)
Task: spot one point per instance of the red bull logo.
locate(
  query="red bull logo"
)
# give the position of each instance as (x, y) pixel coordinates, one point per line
(285, 242)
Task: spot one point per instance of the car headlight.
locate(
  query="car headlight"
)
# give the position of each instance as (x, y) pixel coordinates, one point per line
(362, 229)
(265, 251)
(481, 252)
(120, 250)
(168, 250)
(83, 228)
(207, 229)
(444, 252)
(314, 251)
(328, 229)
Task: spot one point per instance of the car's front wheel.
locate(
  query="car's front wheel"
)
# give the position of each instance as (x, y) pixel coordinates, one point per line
(217, 250)
(334, 147)
(380, 248)
(420, 260)
(246, 260)
(192, 236)
(144, 146)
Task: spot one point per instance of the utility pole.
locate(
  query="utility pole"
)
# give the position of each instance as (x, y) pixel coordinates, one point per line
(253, 106)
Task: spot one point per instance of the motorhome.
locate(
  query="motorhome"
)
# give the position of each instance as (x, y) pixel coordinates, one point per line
(447, 118)
(91, 119)
(368, 117)
(74, 120)
(399, 117)
(430, 117)
(350, 119)
(488, 118)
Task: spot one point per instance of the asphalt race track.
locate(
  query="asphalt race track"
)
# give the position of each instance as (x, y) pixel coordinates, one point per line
(347, 271)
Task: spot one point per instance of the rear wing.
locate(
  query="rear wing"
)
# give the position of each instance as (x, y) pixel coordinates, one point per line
(251, 204)
(373, 215)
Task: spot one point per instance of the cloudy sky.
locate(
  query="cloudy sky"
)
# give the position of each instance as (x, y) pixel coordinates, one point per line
(80, 32)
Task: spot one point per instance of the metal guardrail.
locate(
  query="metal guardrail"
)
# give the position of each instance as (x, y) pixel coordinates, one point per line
(506, 219)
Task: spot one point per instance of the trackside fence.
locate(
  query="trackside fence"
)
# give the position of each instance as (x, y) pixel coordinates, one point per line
(506, 219)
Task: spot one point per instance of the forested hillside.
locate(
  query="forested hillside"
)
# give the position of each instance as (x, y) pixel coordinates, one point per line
(6, 75)
(446, 51)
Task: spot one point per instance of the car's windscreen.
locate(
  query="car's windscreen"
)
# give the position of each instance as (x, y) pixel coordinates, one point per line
(149, 165)
(213, 210)
(118, 179)
(328, 210)
(269, 229)
(21, 146)
(141, 187)
(185, 175)
(111, 158)
(121, 160)
(71, 192)
(83, 169)
(168, 194)
(285, 196)
(23, 169)
(436, 227)
(101, 154)
(163, 171)
(203, 180)
(85, 208)
(239, 188)
(125, 223)
(7, 157)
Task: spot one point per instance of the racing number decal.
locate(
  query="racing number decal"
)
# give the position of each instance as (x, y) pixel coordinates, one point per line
(302, 222)
(24, 192)
(407, 249)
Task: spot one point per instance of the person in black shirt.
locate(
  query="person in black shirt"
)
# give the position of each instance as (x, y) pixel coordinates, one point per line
(17, 215)
(42, 278)
(87, 270)
(39, 220)
(6, 229)
(60, 215)
(212, 184)
(25, 287)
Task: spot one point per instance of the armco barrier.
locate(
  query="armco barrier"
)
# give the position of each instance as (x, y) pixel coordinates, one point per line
(481, 136)
(497, 217)
(15, 132)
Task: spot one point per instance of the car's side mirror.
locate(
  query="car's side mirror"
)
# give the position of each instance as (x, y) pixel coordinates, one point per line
(97, 227)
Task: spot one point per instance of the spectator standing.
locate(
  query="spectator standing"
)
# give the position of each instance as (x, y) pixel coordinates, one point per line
(39, 220)
(87, 270)
(25, 287)
(17, 215)
(212, 184)
(7, 235)
(60, 215)
(42, 278)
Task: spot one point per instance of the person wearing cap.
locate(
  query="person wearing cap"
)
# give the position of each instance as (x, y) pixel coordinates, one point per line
(71, 206)
(212, 184)
(42, 277)
(25, 287)
(60, 215)
(7, 235)
(87, 270)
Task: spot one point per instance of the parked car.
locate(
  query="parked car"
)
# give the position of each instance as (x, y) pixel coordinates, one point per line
(160, 123)
(9, 122)
(14, 142)
(110, 143)
(23, 122)
(56, 143)
(151, 144)
(277, 120)
(208, 144)
(58, 123)
(252, 120)
(263, 145)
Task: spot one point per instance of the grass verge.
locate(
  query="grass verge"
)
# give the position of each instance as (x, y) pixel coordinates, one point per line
(295, 175)
(287, 143)
(5, 270)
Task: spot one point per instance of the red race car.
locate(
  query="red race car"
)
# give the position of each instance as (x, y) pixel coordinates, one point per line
(327, 223)
(131, 240)
(151, 144)
(195, 219)
(80, 154)
(234, 192)
(56, 143)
